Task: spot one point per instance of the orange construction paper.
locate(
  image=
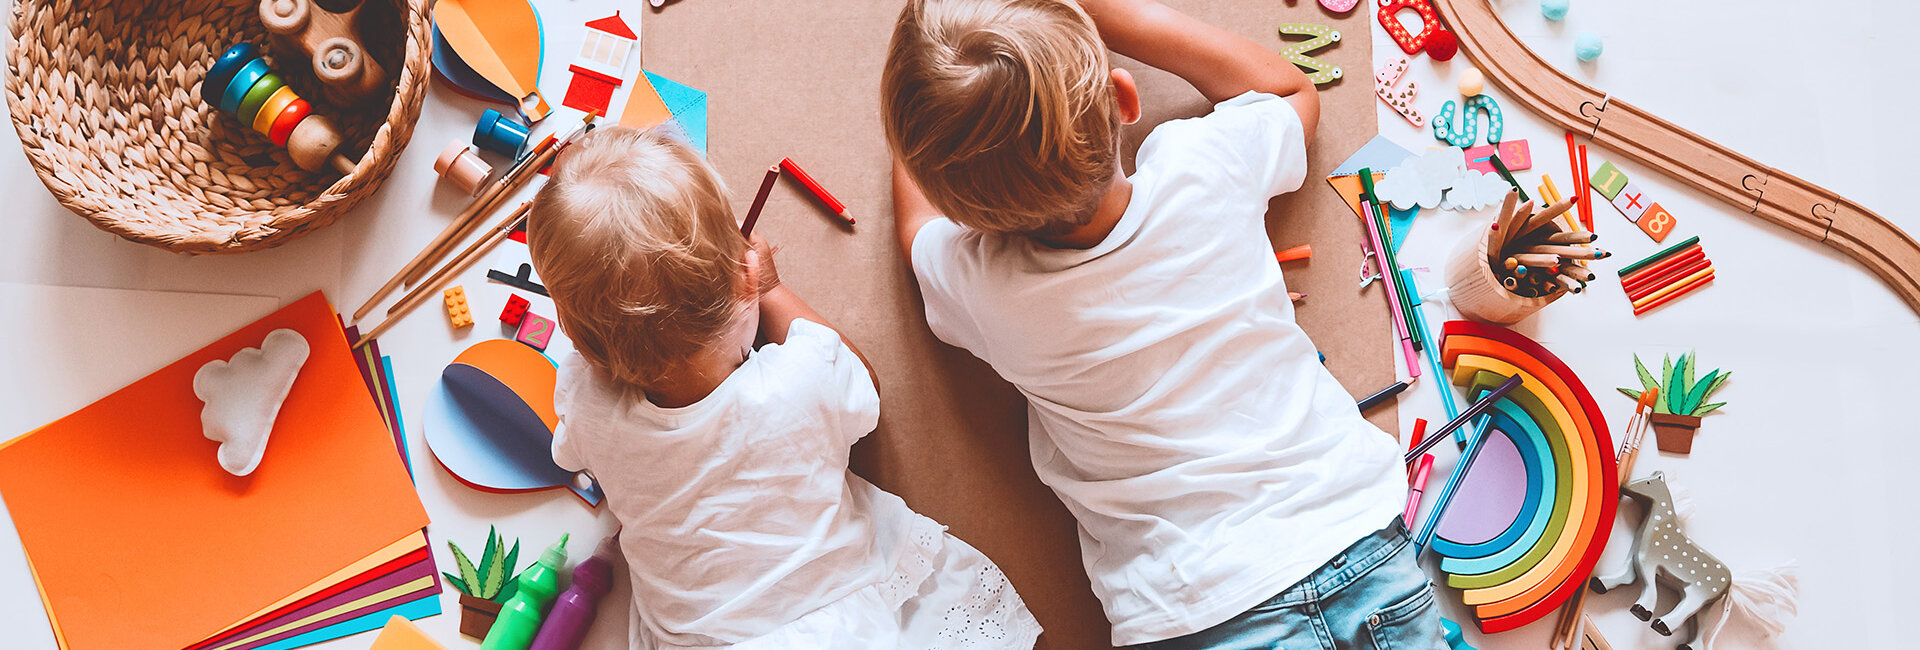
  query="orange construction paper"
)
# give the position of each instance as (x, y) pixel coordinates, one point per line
(644, 107)
(531, 376)
(412, 542)
(500, 40)
(402, 634)
(137, 537)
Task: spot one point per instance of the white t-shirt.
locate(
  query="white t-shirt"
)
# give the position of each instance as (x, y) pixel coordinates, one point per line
(1173, 403)
(738, 512)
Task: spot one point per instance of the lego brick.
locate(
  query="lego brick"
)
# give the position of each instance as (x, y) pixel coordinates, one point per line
(458, 312)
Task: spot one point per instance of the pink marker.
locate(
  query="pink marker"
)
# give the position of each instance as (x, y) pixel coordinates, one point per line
(1414, 495)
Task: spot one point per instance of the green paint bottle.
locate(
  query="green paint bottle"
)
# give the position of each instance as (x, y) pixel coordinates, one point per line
(520, 619)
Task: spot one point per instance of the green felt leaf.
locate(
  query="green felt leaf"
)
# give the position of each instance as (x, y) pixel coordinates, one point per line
(506, 594)
(467, 574)
(494, 578)
(1630, 393)
(457, 583)
(513, 557)
(1709, 408)
(1646, 378)
(489, 559)
(1676, 392)
(1687, 361)
(1699, 391)
(1717, 382)
(1666, 370)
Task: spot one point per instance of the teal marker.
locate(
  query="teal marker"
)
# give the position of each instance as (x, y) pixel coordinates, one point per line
(520, 619)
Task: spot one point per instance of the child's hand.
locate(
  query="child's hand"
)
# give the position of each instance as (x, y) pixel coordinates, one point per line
(769, 276)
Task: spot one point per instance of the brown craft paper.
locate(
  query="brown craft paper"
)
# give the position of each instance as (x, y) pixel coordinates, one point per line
(801, 79)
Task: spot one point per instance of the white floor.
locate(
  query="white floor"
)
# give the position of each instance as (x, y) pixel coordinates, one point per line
(1804, 464)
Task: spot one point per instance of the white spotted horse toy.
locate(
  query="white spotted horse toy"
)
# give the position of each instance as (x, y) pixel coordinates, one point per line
(1664, 555)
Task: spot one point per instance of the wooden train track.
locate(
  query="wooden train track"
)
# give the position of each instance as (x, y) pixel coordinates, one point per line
(1770, 194)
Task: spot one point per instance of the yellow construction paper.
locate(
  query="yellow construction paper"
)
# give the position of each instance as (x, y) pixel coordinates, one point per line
(401, 590)
(402, 634)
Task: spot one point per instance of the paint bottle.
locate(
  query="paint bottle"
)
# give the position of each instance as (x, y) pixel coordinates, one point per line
(520, 618)
(573, 611)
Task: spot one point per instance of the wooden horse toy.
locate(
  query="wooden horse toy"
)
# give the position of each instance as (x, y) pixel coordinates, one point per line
(1664, 555)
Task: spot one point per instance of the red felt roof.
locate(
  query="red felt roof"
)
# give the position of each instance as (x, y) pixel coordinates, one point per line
(613, 25)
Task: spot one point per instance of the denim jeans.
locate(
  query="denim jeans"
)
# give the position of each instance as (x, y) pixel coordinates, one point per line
(1372, 595)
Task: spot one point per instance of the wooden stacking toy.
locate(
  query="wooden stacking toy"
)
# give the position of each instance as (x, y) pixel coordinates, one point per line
(240, 84)
(331, 40)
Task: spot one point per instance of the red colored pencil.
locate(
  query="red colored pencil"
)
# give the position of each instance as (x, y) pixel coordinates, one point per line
(1690, 288)
(1679, 273)
(759, 201)
(1662, 272)
(819, 192)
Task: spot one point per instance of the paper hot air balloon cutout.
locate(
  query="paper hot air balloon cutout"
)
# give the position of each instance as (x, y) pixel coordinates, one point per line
(490, 422)
(500, 41)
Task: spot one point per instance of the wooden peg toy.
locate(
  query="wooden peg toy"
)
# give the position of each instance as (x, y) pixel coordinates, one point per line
(460, 165)
(328, 31)
(240, 83)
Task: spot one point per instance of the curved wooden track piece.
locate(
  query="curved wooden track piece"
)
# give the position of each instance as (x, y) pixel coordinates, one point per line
(1779, 198)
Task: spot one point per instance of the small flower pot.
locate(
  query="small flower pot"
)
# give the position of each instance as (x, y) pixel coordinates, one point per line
(1674, 433)
(477, 615)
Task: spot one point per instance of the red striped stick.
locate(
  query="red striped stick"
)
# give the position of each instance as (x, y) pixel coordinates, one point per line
(1689, 288)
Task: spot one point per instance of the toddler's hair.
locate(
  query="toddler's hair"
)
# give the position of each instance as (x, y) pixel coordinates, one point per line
(1002, 111)
(634, 237)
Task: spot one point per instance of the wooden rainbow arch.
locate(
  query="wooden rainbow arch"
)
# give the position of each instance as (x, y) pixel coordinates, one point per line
(1541, 547)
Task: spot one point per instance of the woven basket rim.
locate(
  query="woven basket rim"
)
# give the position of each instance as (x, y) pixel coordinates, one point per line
(339, 197)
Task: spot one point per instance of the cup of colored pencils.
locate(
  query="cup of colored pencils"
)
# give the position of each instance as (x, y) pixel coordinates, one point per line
(1521, 263)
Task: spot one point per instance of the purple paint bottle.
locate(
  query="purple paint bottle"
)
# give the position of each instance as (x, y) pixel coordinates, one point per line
(573, 611)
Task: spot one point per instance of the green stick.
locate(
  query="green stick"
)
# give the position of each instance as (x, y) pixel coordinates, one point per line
(1658, 256)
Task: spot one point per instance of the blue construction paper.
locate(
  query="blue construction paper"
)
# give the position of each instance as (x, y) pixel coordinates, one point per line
(688, 106)
(1378, 154)
(485, 434)
(428, 605)
(1399, 222)
(464, 80)
(399, 425)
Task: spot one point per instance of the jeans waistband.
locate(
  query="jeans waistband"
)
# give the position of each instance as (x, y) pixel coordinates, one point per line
(1349, 565)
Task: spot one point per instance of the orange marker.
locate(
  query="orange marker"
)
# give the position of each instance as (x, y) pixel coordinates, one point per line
(819, 192)
(1300, 252)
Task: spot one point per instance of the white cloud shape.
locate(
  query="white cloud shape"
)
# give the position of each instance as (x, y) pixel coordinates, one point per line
(244, 395)
(1475, 191)
(1421, 181)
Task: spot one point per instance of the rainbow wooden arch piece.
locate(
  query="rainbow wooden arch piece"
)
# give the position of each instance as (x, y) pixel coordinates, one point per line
(1517, 557)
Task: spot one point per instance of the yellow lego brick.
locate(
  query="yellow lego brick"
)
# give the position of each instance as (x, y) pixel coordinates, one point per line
(458, 312)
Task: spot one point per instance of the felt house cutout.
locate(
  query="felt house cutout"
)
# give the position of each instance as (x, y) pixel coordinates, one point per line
(602, 60)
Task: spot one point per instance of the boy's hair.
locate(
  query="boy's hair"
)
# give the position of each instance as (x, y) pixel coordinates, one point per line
(1002, 111)
(635, 239)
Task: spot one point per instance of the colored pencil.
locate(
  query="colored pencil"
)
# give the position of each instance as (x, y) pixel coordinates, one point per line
(1545, 217)
(432, 283)
(1662, 270)
(1586, 191)
(1570, 252)
(1419, 433)
(1680, 288)
(1480, 406)
(1576, 271)
(1630, 268)
(1572, 238)
(1506, 226)
(1535, 260)
(759, 201)
(1696, 285)
(1385, 394)
(815, 188)
(1296, 296)
(1668, 279)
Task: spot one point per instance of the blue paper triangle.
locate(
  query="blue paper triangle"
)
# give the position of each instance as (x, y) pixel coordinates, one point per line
(688, 106)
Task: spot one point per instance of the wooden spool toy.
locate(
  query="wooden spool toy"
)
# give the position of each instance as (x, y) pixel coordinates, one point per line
(241, 85)
(328, 31)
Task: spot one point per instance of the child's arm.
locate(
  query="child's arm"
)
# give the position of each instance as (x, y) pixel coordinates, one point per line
(911, 209)
(1219, 63)
(779, 306)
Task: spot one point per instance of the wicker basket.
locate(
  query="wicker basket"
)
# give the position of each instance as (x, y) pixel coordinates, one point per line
(105, 97)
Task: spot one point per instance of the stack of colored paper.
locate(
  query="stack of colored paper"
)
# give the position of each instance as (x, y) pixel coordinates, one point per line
(377, 371)
(138, 539)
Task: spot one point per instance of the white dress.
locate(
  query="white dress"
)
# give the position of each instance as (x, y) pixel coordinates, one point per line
(743, 527)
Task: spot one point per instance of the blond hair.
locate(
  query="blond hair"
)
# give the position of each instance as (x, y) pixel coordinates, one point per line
(1002, 111)
(634, 237)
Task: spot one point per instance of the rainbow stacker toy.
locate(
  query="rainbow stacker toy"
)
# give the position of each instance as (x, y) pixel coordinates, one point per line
(241, 85)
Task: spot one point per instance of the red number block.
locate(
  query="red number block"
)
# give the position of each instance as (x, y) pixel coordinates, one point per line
(1657, 223)
(516, 308)
(535, 330)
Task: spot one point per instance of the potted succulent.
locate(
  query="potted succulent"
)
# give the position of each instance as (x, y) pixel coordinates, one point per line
(1676, 415)
(483, 588)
